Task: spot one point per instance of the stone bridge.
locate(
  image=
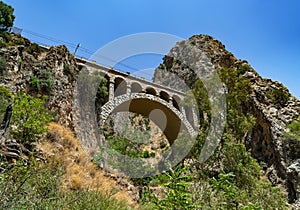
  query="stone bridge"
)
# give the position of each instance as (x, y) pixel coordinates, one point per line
(158, 103)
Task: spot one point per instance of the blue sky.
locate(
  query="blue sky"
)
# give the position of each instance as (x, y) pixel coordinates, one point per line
(265, 33)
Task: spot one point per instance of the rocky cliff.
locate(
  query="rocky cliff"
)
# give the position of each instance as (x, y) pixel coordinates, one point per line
(25, 61)
(270, 103)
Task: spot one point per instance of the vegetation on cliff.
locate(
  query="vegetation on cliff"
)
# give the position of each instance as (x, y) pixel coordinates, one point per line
(294, 130)
(34, 180)
(230, 179)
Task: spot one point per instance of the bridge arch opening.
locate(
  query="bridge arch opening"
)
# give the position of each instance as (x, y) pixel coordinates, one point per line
(164, 95)
(176, 102)
(136, 88)
(171, 124)
(151, 91)
(120, 86)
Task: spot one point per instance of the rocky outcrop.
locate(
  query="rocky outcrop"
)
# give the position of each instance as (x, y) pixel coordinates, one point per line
(10, 150)
(270, 102)
(25, 61)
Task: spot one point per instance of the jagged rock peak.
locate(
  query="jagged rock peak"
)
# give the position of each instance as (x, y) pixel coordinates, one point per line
(270, 102)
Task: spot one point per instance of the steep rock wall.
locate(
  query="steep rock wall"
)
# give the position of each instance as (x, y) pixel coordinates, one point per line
(24, 61)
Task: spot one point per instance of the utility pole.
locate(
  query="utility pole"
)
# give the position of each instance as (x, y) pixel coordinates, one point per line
(78, 45)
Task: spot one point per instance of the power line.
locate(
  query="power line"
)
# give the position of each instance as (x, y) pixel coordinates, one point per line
(49, 38)
(80, 48)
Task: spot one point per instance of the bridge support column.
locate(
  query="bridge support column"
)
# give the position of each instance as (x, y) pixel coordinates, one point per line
(111, 93)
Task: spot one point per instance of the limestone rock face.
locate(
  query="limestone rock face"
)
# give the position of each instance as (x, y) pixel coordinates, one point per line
(270, 102)
(23, 64)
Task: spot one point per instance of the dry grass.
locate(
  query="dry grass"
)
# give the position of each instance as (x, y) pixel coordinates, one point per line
(80, 171)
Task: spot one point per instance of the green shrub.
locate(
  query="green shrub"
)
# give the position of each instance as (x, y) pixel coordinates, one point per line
(126, 147)
(43, 82)
(177, 183)
(35, 83)
(294, 130)
(278, 96)
(228, 190)
(29, 118)
(6, 36)
(33, 48)
(19, 41)
(243, 69)
(70, 71)
(102, 92)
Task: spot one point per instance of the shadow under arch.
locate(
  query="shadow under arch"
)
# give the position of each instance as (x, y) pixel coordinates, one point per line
(176, 101)
(171, 124)
(151, 90)
(164, 95)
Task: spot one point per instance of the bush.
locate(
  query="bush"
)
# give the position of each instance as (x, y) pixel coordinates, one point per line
(5, 36)
(70, 71)
(177, 182)
(278, 96)
(43, 83)
(34, 48)
(29, 119)
(243, 69)
(229, 191)
(294, 130)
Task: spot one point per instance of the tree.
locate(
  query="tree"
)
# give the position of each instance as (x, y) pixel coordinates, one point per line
(6, 16)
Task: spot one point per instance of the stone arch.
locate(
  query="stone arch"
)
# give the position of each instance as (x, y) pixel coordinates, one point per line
(151, 90)
(145, 105)
(136, 87)
(176, 101)
(120, 86)
(164, 95)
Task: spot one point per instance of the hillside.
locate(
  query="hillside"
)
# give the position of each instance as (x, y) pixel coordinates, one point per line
(253, 167)
(269, 102)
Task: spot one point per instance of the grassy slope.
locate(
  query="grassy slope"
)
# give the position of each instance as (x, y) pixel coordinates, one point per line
(81, 173)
